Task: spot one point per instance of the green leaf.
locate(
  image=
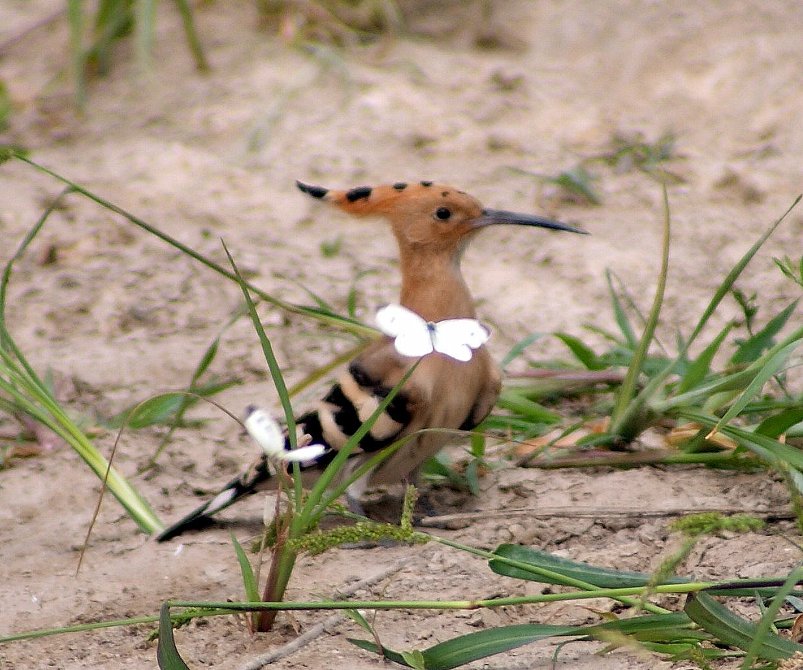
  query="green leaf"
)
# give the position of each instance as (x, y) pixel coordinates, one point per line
(359, 619)
(519, 348)
(768, 618)
(155, 410)
(762, 375)
(389, 654)
(777, 424)
(465, 649)
(619, 314)
(415, 659)
(474, 646)
(167, 655)
(600, 577)
(581, 351)
(698, 370)
(752, 348)
(723, 624)
(247, 572)
(628, 406)
(525, 407)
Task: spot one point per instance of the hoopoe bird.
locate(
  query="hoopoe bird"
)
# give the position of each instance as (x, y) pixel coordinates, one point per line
(432, 224)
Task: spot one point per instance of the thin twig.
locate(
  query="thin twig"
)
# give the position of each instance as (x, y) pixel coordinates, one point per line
(443, 520)
(302, 640)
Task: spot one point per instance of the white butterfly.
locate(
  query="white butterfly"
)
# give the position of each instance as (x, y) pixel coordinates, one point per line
(267, 434)
(415, 337)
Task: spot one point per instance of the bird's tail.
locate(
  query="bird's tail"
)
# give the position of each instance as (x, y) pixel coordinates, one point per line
(248, 482)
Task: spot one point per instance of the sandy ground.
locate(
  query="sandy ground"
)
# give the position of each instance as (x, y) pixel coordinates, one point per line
(469, 99)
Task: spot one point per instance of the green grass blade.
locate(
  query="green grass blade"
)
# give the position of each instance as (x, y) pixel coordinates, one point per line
(771, 451)
(144, 25)
(5, 338)
(777, 424)
(545, 563)
(531, 410)
(275, 371)
(192, 35)
(763, 630)
(581, 351)
(726, 627)
(619, 314)
(155, 410)
(736, 270)
(247, 572)
(167, 655)
(321, 372)
(313, 508)
(518, 348)
(770, 367)
(474, 646)
(657, 381)
(751, 349)
(698, 370)
(626, 407)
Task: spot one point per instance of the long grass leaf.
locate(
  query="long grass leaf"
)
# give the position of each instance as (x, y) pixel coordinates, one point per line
(582, 352)
(763, 630)
(192, 35)
(626, 407)
(731, 629)
(657, 380)
(144, 27)
(543, 561)
(697, 371)
(734, 273)
(619, 313)
(312, 508)
(777, 424)
(751, 349)
(247, 572)
(770, 367)
(275, 372)
(167, 655)
(518, 349)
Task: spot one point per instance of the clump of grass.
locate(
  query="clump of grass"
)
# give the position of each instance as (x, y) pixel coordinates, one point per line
(720, 415)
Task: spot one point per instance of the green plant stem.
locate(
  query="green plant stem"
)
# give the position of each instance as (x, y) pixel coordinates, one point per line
(615, 594)
(627, 408)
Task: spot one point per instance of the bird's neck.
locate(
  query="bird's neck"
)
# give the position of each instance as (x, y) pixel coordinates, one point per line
(433, 287)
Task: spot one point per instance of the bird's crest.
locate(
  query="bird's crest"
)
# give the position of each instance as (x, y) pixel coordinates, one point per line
(392, 199)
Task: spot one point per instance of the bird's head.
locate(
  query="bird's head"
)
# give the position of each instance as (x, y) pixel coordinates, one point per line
(427, 217)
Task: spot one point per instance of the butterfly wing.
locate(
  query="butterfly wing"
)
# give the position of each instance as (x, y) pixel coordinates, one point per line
(457, 337)
(413, 337)
(266, 432)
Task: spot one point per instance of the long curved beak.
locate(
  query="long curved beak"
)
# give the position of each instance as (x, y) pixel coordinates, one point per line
(492, 217)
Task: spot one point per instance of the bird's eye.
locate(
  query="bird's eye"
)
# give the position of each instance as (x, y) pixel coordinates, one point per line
(443, 213)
